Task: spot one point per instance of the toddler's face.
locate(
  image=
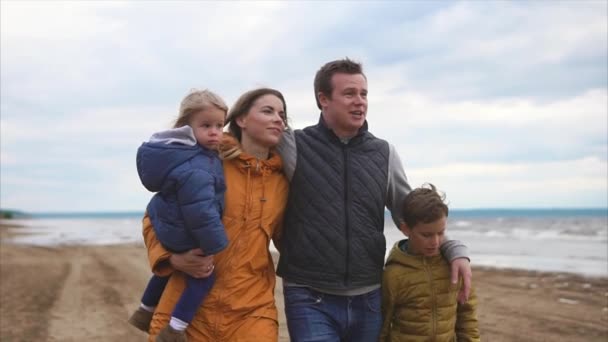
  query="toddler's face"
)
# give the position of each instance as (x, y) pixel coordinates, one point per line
(208, 125)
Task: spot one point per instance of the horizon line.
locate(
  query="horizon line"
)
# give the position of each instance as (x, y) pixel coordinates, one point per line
(93, 212)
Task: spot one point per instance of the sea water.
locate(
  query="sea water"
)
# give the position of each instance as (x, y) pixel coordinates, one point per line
(573, 240)
(562, 240)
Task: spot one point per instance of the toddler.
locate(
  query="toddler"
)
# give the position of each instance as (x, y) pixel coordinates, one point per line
(182, 166)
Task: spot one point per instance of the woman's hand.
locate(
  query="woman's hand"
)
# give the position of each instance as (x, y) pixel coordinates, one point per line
(193, 263)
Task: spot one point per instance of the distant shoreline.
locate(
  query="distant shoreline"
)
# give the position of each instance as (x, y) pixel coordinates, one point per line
(568, 240)
(463, 212)
(10, 229)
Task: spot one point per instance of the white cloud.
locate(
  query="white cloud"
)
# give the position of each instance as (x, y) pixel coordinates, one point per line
(475, 95)
(56, 20)
(547, 34)
(493, 49)
(426, 132)
(587, 107)
(545, 184)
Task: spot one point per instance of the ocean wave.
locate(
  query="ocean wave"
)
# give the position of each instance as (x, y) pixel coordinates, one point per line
(523, 234)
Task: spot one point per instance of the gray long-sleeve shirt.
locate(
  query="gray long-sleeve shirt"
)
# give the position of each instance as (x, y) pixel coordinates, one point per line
(397, 188)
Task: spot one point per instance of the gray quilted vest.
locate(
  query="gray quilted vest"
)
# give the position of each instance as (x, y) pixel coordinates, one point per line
(333, 227)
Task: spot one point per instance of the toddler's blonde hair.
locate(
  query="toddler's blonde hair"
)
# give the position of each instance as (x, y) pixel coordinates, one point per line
(196, 101)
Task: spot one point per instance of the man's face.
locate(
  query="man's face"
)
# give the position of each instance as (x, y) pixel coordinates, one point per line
(346, 109)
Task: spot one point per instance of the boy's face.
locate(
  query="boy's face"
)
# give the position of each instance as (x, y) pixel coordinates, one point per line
(425, 238)
(208, 125)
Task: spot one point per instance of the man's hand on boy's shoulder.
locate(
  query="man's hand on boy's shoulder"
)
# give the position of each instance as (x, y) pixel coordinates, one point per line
(461, 267)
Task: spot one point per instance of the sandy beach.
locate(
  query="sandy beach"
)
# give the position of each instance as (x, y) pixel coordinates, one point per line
(80, 293)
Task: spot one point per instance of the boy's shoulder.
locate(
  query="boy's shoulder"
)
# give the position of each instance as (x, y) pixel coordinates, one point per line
(399, 266)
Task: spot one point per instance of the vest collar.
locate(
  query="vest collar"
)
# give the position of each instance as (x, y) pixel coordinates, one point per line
(325, 129)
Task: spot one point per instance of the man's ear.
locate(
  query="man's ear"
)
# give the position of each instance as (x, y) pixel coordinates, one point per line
(404, 228)
(323, 99)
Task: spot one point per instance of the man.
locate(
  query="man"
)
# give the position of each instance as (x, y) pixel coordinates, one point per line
(341, 179)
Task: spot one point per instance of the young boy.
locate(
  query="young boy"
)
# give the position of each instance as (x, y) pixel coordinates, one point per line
(418, 301)
(182, 166)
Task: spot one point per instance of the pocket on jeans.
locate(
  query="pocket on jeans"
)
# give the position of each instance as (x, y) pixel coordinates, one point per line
(374, 300)
(296, 295)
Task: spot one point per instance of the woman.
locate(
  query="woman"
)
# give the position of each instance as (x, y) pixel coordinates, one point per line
(240, 306)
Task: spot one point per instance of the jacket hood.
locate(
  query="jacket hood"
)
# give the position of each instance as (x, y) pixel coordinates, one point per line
(165, 151)
(400, 257)
(231, 149)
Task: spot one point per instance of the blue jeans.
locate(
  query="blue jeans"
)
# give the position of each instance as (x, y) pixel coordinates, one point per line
(317, 316)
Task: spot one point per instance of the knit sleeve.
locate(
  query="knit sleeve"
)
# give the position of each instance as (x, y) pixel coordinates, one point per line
(288, 151)
(454, 249)
(397, 186)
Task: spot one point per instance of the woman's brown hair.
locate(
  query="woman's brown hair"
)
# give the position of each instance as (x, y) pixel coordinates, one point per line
(244, 104)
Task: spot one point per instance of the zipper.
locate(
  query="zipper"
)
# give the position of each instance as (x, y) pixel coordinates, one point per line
(433, 299)
(346, 216)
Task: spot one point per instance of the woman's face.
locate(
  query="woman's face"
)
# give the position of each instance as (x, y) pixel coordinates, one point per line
(264, 123)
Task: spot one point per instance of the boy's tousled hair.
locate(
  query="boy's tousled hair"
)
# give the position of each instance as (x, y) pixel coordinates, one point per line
(323, 77)
(423, 205)
(196, 101)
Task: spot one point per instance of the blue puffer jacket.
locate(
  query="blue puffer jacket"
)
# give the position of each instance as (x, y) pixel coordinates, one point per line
(188, 179)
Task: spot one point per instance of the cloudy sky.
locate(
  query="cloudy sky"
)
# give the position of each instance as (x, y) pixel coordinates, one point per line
(500, 104)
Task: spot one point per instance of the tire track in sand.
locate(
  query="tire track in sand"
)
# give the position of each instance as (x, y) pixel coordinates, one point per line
(91, 306)
(31, 278)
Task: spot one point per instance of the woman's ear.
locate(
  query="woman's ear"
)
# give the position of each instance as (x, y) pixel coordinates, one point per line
(241, 121)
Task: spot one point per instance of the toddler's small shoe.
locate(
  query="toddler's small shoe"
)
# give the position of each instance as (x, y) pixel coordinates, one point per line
(141, 319)
(168, 334)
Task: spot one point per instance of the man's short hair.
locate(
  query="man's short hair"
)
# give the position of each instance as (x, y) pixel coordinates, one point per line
(323, 77)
